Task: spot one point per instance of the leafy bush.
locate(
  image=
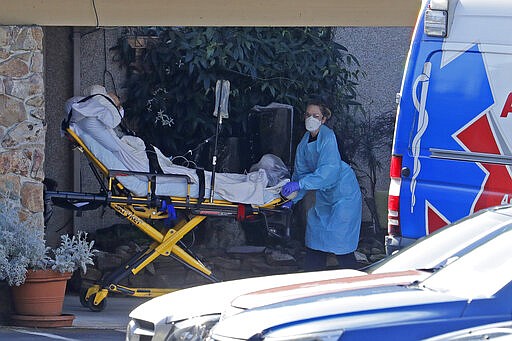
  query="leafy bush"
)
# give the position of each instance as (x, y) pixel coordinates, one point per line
(171, 82)
(23, 248)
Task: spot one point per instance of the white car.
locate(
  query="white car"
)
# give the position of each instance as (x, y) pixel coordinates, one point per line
(193, 311)
(190, 313)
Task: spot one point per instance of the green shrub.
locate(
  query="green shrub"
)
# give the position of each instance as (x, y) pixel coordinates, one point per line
(170, 83)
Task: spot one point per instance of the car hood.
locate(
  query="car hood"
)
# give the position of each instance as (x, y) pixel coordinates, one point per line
(354, 308)
(326, 286)
(213, 298)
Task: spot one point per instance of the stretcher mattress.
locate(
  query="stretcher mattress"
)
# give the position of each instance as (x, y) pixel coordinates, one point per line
(250, 188)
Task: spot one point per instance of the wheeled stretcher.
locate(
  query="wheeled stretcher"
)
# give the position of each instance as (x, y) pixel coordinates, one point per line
(141, 209)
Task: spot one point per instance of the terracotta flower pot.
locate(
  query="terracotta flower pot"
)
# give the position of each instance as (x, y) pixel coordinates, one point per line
(42, 293)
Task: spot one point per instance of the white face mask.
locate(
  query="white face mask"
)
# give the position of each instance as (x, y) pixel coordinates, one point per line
(312, 124)
(121, 111)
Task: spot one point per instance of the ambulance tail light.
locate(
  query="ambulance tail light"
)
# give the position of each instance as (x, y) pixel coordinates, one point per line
(395, 168)
(394, 196)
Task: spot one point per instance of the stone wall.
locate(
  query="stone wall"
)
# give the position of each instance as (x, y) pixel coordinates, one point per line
(22, 119)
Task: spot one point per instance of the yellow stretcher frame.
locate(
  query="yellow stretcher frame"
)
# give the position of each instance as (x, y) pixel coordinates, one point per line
(140, 210)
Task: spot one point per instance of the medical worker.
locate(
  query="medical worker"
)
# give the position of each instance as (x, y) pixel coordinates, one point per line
(334, 222)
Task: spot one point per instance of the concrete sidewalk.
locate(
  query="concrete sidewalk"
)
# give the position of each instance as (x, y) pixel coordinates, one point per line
(114, 316)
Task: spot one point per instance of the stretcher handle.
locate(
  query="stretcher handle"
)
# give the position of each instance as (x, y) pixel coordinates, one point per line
(115, 173)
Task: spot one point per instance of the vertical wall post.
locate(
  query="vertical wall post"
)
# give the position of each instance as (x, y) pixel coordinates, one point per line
(76, 92)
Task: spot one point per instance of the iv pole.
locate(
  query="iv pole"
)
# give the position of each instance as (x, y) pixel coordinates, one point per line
(221, 111)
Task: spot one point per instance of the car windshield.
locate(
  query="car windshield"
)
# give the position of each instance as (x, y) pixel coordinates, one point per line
(444, 245)
(480, 273)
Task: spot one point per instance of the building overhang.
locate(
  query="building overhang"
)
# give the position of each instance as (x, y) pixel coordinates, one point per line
(209, 13)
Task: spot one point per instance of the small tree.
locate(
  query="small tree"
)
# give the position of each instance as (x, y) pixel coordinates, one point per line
(171, 82)
(375, 132)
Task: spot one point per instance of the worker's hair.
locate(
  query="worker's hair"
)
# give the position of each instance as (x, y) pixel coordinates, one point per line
(326, 112)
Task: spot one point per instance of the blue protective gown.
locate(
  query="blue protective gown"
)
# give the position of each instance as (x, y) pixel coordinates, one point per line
(334, 222)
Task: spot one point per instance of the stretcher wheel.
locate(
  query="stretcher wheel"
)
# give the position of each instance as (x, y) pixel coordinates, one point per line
(83, 300)
(96, 308)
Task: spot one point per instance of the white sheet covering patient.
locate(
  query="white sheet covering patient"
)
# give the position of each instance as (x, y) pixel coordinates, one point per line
(94, 121)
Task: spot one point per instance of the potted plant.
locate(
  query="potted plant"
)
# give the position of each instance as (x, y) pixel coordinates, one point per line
(38, 274)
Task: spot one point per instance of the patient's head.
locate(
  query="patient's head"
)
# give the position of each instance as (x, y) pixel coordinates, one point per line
(95, 89)
(100, 90)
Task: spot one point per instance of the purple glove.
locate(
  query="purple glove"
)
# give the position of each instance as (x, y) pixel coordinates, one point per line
(288, 204)
(289, 188)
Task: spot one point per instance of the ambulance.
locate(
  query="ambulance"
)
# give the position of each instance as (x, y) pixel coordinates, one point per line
(452, 146)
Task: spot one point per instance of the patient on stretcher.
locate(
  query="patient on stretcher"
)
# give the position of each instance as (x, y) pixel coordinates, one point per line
(94, 119)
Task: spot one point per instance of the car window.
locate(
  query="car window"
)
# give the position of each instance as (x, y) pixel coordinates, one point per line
(480, 273)
(434, 250)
